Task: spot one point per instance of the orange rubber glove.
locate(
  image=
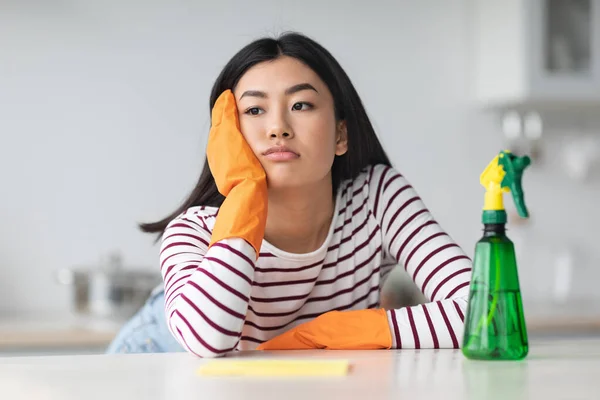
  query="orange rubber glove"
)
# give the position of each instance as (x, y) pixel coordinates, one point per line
(337, 330)
(238, 175)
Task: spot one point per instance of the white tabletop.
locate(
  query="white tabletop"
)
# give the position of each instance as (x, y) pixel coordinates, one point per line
(565, 369)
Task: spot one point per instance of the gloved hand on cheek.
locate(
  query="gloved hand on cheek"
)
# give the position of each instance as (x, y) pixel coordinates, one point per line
(238, 175)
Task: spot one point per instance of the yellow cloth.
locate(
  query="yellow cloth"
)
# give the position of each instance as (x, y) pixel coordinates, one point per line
(238, 175)
(237, 367)
(337, 330)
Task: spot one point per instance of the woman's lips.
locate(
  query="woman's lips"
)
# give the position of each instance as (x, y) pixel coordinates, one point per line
(282, 156)
(280, 153)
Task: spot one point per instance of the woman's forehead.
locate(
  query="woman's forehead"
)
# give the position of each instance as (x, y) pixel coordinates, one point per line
(277, 76)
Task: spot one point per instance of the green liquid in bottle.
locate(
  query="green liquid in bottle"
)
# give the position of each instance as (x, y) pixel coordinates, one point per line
(495, 324)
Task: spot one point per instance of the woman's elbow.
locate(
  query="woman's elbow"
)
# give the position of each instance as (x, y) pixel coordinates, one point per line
(202, 340)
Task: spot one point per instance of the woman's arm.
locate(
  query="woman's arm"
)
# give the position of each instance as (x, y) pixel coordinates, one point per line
(206, 292)
(208, 274)
(437, 265)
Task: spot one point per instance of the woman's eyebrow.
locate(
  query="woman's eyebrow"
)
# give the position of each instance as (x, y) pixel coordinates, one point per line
(291, 90)
(253, 93)
(299, 87)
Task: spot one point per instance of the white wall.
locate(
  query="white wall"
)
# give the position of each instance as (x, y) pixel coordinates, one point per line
(103, 119)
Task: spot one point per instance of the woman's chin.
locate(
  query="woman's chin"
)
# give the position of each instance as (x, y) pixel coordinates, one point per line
(283, 177)
(279, 182)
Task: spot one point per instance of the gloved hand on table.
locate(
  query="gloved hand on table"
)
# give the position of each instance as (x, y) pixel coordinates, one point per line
(337, 330)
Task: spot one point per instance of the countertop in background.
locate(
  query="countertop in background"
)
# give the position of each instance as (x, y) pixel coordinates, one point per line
(71, 335)
(61, 335)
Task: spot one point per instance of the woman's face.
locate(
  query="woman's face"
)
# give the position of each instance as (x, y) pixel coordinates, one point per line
(287, 116)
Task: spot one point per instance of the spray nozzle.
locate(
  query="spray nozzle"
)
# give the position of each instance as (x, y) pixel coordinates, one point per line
(504, 174)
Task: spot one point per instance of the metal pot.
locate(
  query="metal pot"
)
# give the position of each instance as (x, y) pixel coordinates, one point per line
(109, 291)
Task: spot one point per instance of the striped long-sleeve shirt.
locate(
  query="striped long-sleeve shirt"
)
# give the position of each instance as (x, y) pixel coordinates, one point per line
(221, 299)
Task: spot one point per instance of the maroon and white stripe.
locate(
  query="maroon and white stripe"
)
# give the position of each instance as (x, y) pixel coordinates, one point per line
(218, 299)
(437, 265)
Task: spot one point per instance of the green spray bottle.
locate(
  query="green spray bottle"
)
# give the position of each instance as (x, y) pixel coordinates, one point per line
(495, 324)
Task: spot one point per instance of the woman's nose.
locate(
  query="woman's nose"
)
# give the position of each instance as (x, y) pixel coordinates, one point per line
(280, 135)
(280, 129)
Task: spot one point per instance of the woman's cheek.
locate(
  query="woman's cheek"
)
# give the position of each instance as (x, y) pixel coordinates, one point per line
(250, 134)
(326, 145)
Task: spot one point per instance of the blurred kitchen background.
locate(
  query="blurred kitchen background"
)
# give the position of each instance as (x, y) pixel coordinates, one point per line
(104, 119)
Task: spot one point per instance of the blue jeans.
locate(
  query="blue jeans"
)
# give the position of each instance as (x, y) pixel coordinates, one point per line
(146, 331)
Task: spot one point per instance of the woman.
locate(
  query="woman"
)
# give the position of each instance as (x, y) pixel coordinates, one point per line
(296, 221)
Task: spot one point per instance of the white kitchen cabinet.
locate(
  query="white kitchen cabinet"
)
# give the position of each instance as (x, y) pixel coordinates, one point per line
(536, 53)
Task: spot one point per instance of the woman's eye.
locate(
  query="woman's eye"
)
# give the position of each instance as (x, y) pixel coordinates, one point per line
(301, 106)
(254, 111)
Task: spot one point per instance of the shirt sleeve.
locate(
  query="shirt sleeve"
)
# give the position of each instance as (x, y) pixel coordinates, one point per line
(438, 266)
(206, 291)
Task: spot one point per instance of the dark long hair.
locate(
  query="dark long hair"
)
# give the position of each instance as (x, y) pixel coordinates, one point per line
(364, 148)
